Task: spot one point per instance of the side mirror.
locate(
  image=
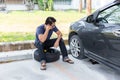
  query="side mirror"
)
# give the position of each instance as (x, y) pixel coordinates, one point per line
(90, 19)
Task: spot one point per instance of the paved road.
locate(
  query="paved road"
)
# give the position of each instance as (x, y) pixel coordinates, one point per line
(81, 70)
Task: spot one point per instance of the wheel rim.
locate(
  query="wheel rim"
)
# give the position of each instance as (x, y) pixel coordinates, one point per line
(75, 47)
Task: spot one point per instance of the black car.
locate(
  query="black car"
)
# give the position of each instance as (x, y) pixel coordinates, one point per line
(97, 36)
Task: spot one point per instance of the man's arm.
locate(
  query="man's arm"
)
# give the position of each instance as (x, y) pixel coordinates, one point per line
(43, 37)
(59, 34)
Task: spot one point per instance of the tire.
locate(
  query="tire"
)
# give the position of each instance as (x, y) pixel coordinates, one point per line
(76, 47)
(51, 55)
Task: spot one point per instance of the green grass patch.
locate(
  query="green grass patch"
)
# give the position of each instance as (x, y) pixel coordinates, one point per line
(21, 36)
(16, 36)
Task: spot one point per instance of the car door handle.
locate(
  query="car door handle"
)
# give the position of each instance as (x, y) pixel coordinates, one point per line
(116, 33)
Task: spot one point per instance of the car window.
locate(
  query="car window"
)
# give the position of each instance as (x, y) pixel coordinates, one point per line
(110, 15)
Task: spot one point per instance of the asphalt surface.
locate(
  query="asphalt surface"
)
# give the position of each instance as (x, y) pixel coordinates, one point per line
(59, 70)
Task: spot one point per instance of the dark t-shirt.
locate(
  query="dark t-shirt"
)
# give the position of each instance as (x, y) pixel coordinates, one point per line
(41, 30)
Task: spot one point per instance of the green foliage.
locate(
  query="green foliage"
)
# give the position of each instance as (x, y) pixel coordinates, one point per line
(40, 4)
(50, 5)
(46, 5)
(35, 1)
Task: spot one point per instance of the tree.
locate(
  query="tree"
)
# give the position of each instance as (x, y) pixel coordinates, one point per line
(50, 5)
(80, 8)
(40, 4)
(88, 10)
(45, 4)
(29, 4)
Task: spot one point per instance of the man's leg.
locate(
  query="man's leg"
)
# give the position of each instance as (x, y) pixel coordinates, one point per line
(64, 52)
(40, 47)
(63, 48)
(50, 43)
(43, 55)
(46, 45)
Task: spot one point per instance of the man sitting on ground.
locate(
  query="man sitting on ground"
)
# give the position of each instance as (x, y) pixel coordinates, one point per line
(43, 41)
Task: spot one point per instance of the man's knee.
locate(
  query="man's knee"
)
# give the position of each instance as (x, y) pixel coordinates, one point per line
(37, 45)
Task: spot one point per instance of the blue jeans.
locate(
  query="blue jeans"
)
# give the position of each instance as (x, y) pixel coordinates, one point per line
(50, 43)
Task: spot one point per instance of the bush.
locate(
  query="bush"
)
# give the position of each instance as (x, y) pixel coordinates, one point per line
(40, 4)
(50, 5)
(45, 5)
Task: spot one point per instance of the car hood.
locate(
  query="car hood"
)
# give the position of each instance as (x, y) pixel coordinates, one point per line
(83, 19)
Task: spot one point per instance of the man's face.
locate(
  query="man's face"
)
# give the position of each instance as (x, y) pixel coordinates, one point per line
(53, 25)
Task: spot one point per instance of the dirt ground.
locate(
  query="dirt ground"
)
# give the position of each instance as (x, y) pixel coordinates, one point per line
(28, 22)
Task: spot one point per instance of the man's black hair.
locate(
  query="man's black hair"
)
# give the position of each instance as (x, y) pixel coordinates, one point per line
(50, 20)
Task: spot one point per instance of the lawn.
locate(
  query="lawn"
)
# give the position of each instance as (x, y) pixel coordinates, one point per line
(21, 25)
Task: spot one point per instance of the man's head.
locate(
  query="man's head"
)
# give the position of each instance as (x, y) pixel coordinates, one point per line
(50, 21)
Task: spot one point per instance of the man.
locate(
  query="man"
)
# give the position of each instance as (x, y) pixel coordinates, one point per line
(43, 41)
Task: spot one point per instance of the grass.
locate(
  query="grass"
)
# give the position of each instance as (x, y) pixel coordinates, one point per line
(16, 36)
(21, 25)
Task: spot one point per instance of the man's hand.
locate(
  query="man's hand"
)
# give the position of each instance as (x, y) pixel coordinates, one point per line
(43, 37)
(48, 27)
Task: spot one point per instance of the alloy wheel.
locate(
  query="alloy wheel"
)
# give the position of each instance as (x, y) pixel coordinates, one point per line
(75, 47)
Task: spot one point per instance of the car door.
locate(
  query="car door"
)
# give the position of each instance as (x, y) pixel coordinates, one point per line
(106, 42)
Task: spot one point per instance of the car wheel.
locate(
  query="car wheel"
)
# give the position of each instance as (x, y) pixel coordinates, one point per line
(51, 55)
(76, 47)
